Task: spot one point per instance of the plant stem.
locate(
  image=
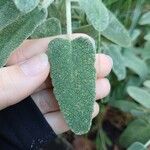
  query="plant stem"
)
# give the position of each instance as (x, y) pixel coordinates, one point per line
(68, 17)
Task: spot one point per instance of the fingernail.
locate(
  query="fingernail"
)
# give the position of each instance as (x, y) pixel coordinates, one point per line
(35, 65)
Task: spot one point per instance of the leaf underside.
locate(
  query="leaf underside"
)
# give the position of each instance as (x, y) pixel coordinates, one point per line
(96, 12)
(73, 76)
(26, 5)
(51, 27)
(14, 34)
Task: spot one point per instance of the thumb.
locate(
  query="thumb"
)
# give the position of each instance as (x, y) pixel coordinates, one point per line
(20, 80)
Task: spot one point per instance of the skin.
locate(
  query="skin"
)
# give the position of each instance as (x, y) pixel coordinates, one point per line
(35, 82)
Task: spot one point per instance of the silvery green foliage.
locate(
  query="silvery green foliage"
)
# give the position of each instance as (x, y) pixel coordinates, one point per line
(14, 34)
(147, 84)
(8, 13)
(73, 77)
(26, 6)
(119, 67)
(50, 27)
(96, 12)
(137, 146)
(145, 19)
(46, 3)
(135, 63)
(147, 37)
(136, 131)
(139, 95)
(116, 32)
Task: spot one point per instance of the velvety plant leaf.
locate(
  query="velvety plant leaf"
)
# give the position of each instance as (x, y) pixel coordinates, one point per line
(139, 95)
(116, 32)
(96, 12)
(46, 3)
(126, 106)
(147, 37)
(137, 146)
(6, 18)
(14, 34)
(26, 5)
(137, 131)
(51, 27)
(145, 19)
(73, 77)
(118, 63)
(136, 64)
(147, 84)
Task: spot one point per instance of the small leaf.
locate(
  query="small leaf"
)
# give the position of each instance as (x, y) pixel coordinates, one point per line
(118, 63)
(137, 146)
(26, 5)
(139, 95)
(145, 19)
(46, 3)
(51, 27)
(73, 76)
(136, 131)
(116, 32)
(147, 37)
(136, 64)
(147, 84)
(96, 12)
(14, 34)
(6, 17)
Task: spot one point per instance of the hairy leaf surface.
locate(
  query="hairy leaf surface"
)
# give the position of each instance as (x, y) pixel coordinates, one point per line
(139, 95)
(14, 34)
(26, 5)
(116, 32)
(50, 27)
(96, 12)
(73, 76)
(8, 13)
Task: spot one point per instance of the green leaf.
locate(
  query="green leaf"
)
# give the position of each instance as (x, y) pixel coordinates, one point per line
(14, 34)
(8, 13)
(26, 5)
(116, 32)
(73, 76)
(46, 3)
(137, 146)
(136, 131)
(136, 64)
(118, 63)
(139, 95)
(147, 84)
(145, 19)
(51, 27)
(125, 106)
(147, 37)
(96, 12)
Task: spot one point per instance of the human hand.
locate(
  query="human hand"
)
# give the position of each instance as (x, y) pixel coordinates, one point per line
(27, 70)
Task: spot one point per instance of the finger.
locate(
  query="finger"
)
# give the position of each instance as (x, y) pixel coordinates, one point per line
(46, 101)
(58, 123)
(19, 81)
(103, 65)
(102, 88)
(30, 48)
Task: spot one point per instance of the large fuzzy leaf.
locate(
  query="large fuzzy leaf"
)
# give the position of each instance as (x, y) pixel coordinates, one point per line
(139, 95)
(137, 146)
(51, 27)
(26, 5)
(136, 64)
(14, 34)
(116, 32)
(145, 19)
(96, 12)
(118, 62)
(73, 76)
(137, 130)
(8, 13)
